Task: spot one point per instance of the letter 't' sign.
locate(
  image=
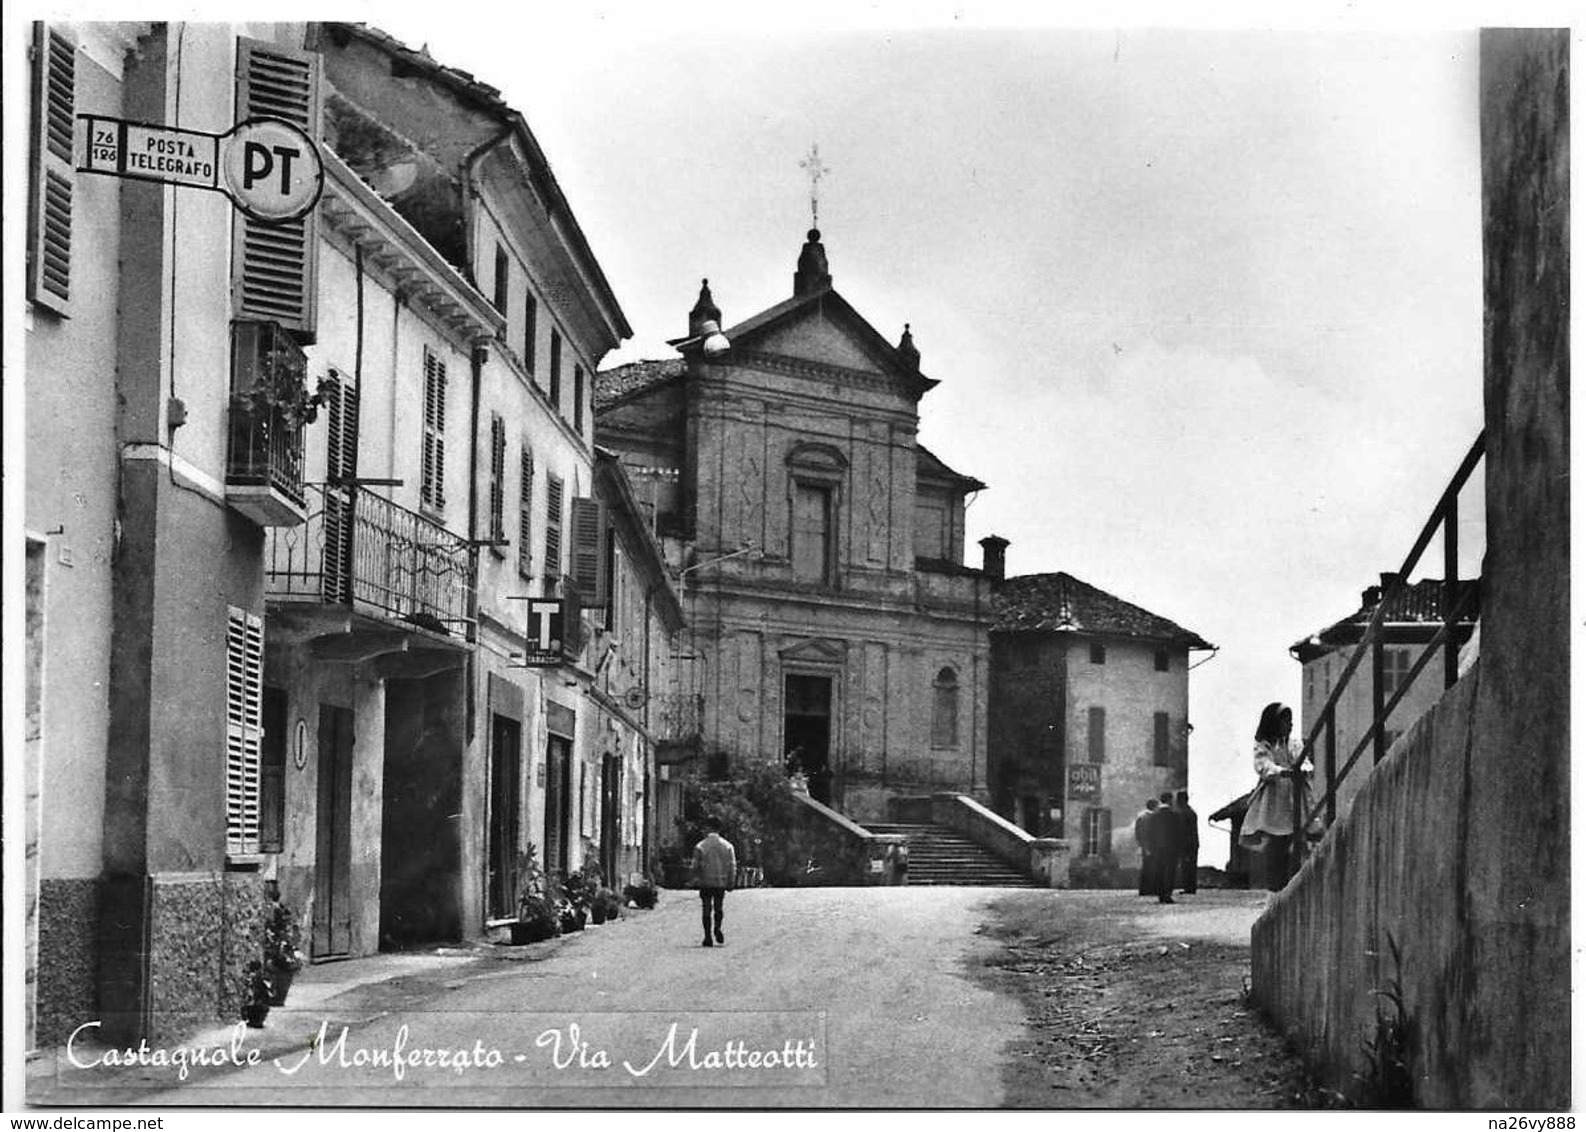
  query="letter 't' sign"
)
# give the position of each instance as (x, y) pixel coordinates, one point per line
(271, 169)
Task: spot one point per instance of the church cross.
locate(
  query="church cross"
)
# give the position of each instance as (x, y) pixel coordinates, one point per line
(815, 171)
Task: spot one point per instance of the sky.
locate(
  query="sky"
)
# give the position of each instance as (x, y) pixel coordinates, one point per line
(1204, 303)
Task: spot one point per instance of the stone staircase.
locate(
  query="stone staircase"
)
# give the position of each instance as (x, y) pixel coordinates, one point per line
(939, 855)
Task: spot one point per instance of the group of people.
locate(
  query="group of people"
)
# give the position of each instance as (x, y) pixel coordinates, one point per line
(1170, 844)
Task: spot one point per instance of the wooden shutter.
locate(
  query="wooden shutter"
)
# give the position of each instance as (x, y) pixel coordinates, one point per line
(272, 773)
(52, 180)
(1097, 734)
(588, 556)
(498, 477)
(530, 336)
(555, 387)
(341, 467)
(525, 510)
(553, 530)
(432, 491)
(244, 725)
(275, 263)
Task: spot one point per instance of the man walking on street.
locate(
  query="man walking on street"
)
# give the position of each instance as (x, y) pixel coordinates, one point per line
(1165, 835)
(715, 869)
(1142, 823)
(1191, 842)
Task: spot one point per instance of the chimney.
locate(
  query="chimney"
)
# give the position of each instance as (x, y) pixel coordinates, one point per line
(1388, 580)
(1370, 596)
(994, 549)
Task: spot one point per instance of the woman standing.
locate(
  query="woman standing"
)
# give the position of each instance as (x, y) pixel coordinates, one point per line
(1268, 827)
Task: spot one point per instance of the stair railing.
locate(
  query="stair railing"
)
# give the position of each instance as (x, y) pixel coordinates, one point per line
(1457, 600)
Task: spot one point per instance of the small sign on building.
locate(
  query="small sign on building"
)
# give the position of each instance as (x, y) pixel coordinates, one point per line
(545, 634)
(1084, 782)
(269, 168)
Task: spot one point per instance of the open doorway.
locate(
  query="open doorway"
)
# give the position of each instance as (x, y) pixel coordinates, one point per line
(807, 730)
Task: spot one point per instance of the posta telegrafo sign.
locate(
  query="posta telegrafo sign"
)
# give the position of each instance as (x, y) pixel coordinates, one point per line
(269, 168)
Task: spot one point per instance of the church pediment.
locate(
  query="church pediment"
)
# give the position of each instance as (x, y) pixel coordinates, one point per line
(817, 338)
(814, 650)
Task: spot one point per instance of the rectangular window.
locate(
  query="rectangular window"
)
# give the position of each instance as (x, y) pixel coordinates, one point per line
(1098, 654)
(1096, 734)
(244, 724)
(275, 263)
(531, 313)
(525, 511)
(498, 480)
(1161, 660)
(812, 532)
(578, 399)
(1161, 749)
(553, 533)
(432, 491)
(555, 388)
(501, 280)
(52, 181)
(1395, 669)
(1098, 833)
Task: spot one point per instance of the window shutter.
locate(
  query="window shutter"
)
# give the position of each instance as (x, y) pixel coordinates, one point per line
(341, 438)
(530, 337)
(498, 477)
(555, 387)
(1097, 735)
(553, 530)
(525, 510)
(588, 566)
(578, 399)
(433, 478)
(274, 276)
(53, 181)
(244, 725)
(1162, 754)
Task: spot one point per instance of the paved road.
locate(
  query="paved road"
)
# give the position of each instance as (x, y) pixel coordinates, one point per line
(872, 981)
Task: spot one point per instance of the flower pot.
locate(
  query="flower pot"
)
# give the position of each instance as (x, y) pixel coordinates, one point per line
(280, 980)
(254, 1014)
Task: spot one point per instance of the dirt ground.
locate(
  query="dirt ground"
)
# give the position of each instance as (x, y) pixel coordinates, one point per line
(1136, 1004)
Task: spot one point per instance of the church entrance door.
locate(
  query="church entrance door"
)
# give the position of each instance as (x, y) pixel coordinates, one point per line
(807, 730)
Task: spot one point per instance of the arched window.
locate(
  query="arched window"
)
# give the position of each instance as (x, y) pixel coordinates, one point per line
(944, 715)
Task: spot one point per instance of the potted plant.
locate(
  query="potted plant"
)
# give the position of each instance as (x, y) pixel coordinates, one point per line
(605, 906)
(257, 993)
(577, 891)
(283, 956)
(538, 918)
(641, 895)
(278, 390)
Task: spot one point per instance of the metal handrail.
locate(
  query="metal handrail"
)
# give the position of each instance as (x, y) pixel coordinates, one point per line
(1455, 604)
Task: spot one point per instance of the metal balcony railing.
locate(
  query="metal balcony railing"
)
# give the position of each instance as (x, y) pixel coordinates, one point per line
(1458, 600)
(364, 551)
(265, 450)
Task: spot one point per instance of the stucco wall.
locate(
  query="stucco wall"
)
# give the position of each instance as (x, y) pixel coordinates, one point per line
(1459, 842)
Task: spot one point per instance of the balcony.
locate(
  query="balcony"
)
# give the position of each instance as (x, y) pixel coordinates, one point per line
(373, 558)
(269, 406)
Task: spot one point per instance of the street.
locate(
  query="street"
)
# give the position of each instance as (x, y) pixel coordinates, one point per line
(837, 997)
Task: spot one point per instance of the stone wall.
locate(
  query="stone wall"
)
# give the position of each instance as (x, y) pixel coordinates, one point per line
(1458, 845)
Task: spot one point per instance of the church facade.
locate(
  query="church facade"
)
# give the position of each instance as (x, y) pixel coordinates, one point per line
(831, 625)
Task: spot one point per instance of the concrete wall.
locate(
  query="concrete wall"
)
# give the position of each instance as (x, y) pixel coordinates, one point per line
(1459, 843)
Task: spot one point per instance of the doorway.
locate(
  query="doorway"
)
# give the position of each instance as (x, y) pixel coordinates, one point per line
(332, 934)
(610, 818)
(506, 776)
(807, 729)
(558, 801)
